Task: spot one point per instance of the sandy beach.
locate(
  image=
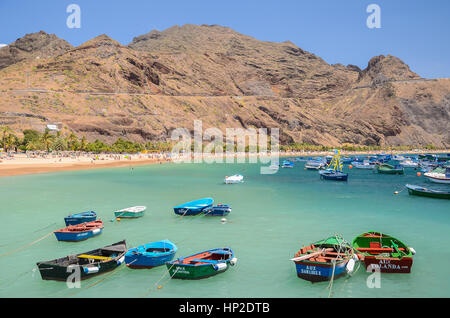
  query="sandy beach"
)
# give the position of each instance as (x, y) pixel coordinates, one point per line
(21, 164)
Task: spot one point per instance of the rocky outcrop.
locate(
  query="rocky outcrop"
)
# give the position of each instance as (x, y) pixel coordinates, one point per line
(32, 46)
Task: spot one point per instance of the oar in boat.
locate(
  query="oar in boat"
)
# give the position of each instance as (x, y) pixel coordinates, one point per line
(301, 258)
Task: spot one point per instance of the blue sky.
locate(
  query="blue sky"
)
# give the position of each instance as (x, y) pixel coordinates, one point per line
(417, 31)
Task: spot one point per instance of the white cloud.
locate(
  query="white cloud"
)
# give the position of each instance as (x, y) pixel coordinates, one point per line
(2, 45)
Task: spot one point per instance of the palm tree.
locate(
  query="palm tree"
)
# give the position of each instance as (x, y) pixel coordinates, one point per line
(5, 131)
(72, 141)
(47, 139)
(10, 141)
(84, 143)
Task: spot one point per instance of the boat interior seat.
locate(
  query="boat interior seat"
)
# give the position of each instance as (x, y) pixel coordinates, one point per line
(203, 261)
(375, 244)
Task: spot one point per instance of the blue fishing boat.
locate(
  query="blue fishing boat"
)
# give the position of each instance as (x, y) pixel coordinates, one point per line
(287, 164)
(193, 207)
(347, 160)
(82, 217)
(218, 210)
(325, 260)
(334, 169)
(151, 254)
(79, 232)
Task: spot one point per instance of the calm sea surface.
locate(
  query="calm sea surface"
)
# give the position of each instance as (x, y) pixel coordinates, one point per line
(273, 216)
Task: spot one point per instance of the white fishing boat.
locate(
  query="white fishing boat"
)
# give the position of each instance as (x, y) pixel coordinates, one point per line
(131, 212)
(366, 164)
(439, 177)
(237, 178)
(409, 164)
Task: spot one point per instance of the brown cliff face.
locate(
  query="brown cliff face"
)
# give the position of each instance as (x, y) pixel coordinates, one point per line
(165, 80)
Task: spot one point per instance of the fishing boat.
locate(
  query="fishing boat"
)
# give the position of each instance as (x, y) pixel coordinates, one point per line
(150, 255)
(334, 169)
(385, 168)
(325, 260)
(193, 207)
(287, 164)
(218, 210)
(366, 164)
(203, 264)
(439, 175)
(383, 252)
(80, 231)
(86, 264)
(237, 178)
(315, 164)
(82, 217)
(408, 163)
(131, 212)
(426, 192)
(347, 160)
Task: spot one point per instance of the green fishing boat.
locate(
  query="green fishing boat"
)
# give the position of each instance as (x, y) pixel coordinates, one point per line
(426, 192)
(385, 168)
(383, 252)
(203, 264)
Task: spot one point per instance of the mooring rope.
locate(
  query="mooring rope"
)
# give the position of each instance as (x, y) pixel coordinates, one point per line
(330, 286)
(25, 246)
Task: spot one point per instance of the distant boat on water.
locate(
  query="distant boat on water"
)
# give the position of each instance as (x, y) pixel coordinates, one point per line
(218, 210)
(334, 169)
(315, 164)
(82, 217)
(131, 212)
(287, 164)
(426, 192)
(366, 164)
(237, 178)
(385, 168)
(193, 207)
(439, 175)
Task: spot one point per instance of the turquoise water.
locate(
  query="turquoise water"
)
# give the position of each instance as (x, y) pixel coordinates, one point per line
(273, 216)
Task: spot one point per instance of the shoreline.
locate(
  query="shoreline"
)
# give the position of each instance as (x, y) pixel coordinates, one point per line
(25, 166)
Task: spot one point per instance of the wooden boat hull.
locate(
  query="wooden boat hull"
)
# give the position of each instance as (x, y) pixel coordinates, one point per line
(182, 271)
(388, 265)
(324, 260)
(129, 215)
(75, 219)
(427, 193)
(198, 269)
(73, 237)
(388, 170)
(377, 249)
(64, 268)
(218, 211)
(438, 180)
(194, 208)
(333, 176)
(315, 272)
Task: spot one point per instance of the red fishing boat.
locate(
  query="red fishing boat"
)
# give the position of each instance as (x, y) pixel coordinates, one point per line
(384, 252)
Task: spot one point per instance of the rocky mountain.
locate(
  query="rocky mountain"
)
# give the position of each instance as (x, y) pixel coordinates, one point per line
(166, 79)
(34, 45)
